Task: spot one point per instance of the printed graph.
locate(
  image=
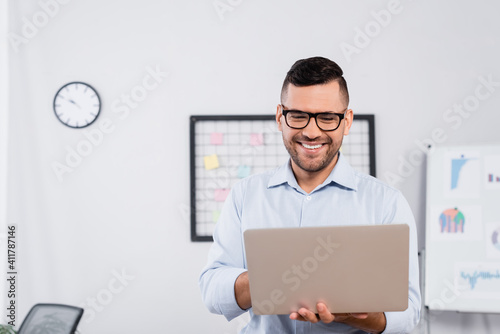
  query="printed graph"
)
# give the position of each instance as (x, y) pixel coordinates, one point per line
(462, 175)
(492, 240)
(452, 221)
(495, 239)
(492, 172)
(456, 167)
(478, 280)
(226, 148)
(473, 278)
(493, 178)
(456, 223)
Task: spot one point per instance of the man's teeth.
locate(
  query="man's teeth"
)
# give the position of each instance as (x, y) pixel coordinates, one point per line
(311, 147)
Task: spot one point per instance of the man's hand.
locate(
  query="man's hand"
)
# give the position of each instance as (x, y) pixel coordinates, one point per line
(370, 322)
(324, 315)
(242, 291)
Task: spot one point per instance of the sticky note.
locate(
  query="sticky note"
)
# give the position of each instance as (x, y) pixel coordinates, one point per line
(215, 216)
(211, 161)
(220, 195)
(216, 138)
(256, 139)
(243, 171)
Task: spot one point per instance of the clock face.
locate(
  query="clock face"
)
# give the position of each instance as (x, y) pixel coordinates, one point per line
(77, 104)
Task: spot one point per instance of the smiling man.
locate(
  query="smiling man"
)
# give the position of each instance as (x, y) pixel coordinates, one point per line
(313, 144)
(317, 187)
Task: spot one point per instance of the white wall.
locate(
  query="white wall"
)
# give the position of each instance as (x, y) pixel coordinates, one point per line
(123, 206)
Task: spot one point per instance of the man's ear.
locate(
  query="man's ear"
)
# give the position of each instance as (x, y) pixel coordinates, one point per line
(349, 116)
(278, 117)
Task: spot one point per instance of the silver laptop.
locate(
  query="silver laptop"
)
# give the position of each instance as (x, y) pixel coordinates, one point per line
(353, 269)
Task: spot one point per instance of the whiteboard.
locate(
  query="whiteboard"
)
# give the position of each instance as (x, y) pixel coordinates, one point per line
(462, 265)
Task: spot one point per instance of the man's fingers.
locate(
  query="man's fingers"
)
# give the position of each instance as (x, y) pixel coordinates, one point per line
(306, 315)
(296, 316)
(324, 313)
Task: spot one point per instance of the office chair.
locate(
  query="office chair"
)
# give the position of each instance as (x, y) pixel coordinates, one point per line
(51, 319)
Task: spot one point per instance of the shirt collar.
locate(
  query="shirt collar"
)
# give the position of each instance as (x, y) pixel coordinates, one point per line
(283, 174)
(342, 174)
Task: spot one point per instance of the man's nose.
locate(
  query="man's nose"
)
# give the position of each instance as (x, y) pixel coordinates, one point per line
(312, 130)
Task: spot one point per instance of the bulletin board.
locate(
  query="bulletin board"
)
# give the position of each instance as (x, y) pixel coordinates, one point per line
(462, 265)
(226, 148)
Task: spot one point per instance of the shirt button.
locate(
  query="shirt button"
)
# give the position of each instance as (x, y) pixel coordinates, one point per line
(308, 198)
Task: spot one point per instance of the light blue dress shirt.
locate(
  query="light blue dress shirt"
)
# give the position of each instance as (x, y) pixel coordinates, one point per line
(274, 199)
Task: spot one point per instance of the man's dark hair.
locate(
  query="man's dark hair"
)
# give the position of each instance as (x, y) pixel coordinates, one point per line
(315, 71)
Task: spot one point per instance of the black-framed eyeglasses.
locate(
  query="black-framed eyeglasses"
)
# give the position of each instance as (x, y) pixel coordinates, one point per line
(326, 121)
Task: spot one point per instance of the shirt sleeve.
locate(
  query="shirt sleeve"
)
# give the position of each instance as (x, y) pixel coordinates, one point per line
(225, 260)
(405, 321)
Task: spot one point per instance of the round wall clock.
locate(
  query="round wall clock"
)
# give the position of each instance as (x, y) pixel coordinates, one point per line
(77, 104)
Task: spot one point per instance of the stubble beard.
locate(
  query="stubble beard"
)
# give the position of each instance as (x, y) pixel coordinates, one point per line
(309, 165)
